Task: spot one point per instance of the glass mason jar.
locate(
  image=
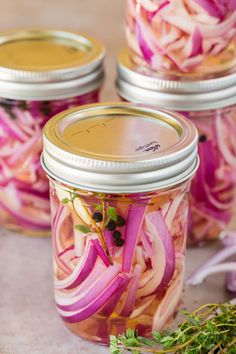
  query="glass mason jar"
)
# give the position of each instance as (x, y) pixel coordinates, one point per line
(182, 37)
(211, 106)
(42, 73)
(119, 176)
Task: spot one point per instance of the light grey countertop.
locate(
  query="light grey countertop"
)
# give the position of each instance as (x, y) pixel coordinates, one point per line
(29, 323)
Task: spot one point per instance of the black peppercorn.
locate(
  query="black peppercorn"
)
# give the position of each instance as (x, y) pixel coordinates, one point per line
(202, 138)
(22, 105)
(116, 235)
(97, 217)
(8, 110)
(120, 221)
(45, 108)
(119, 242)
(111, 226)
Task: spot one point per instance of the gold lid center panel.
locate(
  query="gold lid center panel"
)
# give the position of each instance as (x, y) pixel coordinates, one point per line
(119, 137)
(42, 54)
(45, 50)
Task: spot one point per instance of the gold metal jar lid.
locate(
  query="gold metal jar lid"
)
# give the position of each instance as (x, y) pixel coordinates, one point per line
(120, 148)
(49, 64)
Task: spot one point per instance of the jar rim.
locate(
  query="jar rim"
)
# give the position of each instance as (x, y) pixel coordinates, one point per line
(173, 93)
(126, 190)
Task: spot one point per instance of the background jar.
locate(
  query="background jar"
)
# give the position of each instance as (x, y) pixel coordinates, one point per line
(119, 176)
(210, 104)
(192, 38)
(42, 73)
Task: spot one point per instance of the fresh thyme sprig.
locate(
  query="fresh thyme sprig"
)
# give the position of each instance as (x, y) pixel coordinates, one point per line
(210, 329)
(83, 228)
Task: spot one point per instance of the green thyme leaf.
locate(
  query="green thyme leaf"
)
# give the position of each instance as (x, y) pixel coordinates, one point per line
(157, 336)
(232, 351)
(193, 320)
(167, 342)
(147, 342)
(166, 339)
(113, 345)
(98, 207)
(82, 228)
(65, 201)
(132, 342)
(130, 333)
(73, 196)
(111, 213)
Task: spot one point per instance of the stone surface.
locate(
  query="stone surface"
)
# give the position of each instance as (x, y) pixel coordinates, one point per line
(29, 323)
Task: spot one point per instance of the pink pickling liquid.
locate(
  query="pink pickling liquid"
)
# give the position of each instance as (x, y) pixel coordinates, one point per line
(212, 197)
(145, 272)
(24, 190)
(182, 37)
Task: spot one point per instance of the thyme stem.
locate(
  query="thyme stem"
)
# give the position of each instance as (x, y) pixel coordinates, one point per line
(101, 238)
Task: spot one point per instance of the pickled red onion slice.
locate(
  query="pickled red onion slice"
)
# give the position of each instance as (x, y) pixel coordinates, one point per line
(21, 175)
(206, 27)
(144, 265)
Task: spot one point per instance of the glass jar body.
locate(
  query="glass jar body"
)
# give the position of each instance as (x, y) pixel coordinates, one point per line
(213, 189)
(182, 37)
(118, 259)
(24, 190)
